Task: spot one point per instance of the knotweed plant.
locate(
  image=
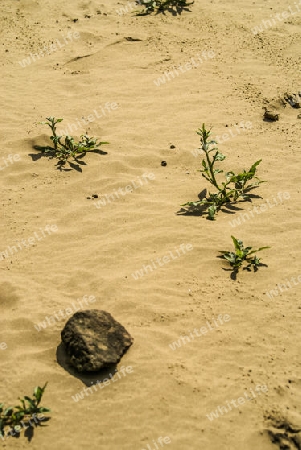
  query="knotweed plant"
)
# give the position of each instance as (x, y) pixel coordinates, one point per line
(15, 416)
(242, 255)
(236, 187)
(161, 6)
(65, 147)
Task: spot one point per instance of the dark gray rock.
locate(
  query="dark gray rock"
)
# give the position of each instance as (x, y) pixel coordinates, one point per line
(93, 339)
(271, 115)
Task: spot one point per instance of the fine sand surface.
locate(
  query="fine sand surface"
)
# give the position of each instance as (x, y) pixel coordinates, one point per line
(107, 72)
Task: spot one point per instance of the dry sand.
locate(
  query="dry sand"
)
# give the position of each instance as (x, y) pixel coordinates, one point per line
(115, 60)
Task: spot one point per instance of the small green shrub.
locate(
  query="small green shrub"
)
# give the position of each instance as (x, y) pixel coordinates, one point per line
(242, 255)
(64, 147)
(235, 188)
(161, 6)
(20, 414)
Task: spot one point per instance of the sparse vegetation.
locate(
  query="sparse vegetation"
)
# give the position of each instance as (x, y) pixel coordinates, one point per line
(22, 414)
(235, 188)
(242, 255)
(161, 6)
(65, 147)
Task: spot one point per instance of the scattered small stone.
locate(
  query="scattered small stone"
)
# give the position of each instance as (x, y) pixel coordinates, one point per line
(294, 100)
(299, 116)
(132, 39)
(95, 196)
(89, 198)
(172, 146)
(271, 115)
(163, 163)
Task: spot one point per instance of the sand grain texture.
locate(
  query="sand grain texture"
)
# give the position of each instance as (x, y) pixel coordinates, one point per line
(95, 251)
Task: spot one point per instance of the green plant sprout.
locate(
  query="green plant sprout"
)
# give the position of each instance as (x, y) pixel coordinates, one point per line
(16, 416)
(160, 6)
(65, 147)
(235, 188)
(242, 254)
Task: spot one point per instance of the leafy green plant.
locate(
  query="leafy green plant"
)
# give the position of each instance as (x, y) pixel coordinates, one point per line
(235, 188)
(242, 255)
(65, 147)
(28, 408)
(160, 6)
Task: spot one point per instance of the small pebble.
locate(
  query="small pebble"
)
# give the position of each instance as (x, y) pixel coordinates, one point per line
(271, 115)
(94, 196)
(163, 163)
(172, 146)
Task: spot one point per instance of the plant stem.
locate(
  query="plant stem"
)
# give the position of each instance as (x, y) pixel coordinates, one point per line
(53, 128)
(205, 135)
(214, 182)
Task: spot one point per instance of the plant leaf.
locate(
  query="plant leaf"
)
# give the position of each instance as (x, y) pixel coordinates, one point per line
(237, 243)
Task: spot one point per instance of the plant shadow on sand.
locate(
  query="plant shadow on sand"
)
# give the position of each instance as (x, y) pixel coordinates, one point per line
(228, 208)
(282, 432)
(50, 153)
(30, 430)
(240, 256)
(174, 7)
(29, 433)
(234, 272)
